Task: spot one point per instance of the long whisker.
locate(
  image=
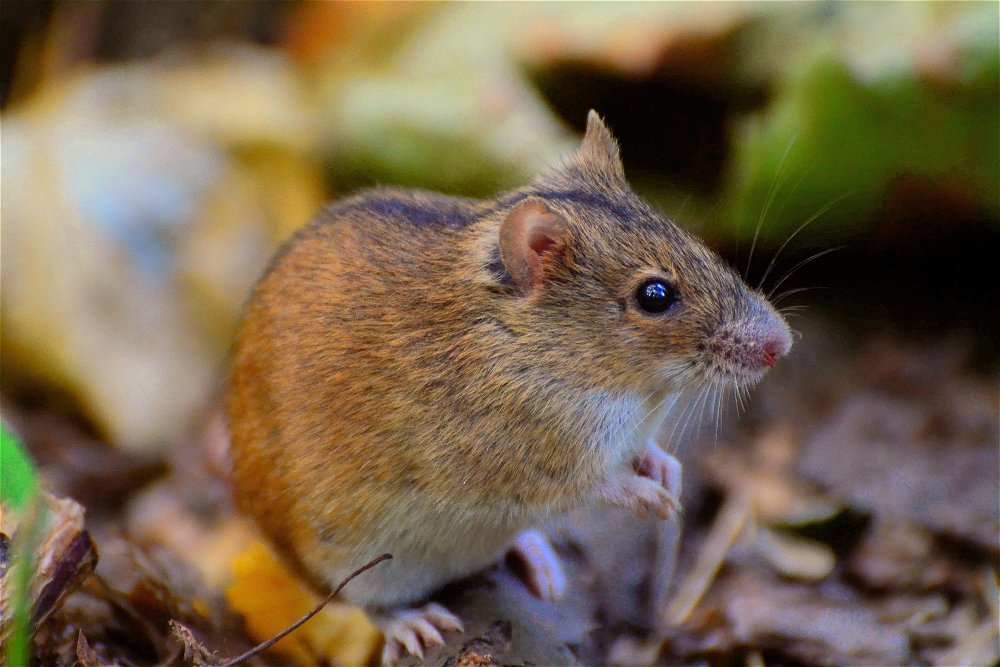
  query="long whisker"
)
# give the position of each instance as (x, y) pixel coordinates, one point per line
(770, 200)
(805, 224)
(692, 421)
(745, 397)
(681, 420)
(795, 188)
(709, 400)
(669, 397)
(723, 388)
(677, 422)
(787, 293)
(636, 425)
(713, 410)
(798, 266)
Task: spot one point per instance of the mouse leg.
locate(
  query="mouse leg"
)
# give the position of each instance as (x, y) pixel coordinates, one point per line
(413, 630)
(538, 565)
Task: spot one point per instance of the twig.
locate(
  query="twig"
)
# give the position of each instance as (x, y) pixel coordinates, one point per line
(728, 525)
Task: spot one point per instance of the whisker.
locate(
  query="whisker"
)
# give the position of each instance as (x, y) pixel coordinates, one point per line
(719, 390)
(713, 409)
(699, 420)
(673, 445)
(696, 421)
(805, 224)
(795, 188)
(787, 293)
(648, 414)
(680, 423)
(798, 266)
(770, 200)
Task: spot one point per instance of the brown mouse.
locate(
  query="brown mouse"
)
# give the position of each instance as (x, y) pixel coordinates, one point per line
(433, 376)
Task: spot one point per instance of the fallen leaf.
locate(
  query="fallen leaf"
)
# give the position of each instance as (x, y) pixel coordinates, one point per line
(271, 598)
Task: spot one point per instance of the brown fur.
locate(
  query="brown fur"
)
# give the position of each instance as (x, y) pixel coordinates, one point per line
(395, 388)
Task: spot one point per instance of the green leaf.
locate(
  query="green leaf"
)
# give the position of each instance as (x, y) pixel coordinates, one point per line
(19, 492)
(17, 474)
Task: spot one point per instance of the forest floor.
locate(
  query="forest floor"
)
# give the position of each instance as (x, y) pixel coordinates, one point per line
(847, 515)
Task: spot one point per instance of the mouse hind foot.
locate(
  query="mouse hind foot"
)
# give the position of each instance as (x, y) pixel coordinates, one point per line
(537, 564)
(410, 631)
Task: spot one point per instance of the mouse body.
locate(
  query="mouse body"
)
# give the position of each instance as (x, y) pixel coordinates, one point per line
(434, 376)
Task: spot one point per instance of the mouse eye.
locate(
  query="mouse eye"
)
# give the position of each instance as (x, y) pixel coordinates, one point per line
(656, 296)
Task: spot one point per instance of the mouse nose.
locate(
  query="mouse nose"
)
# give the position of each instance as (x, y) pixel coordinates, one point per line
(775, 345)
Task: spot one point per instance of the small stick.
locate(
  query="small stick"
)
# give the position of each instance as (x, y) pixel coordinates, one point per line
(294, 626)
(728, 525)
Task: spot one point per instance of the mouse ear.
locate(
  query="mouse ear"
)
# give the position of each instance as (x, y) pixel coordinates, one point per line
(530, 237)
(600, 149)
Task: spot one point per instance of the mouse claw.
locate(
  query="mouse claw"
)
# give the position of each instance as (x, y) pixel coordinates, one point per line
(540, 568)
(442, 618)
(410, 631)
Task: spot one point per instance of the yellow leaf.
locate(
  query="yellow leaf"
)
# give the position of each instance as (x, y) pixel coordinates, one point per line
(271, 598)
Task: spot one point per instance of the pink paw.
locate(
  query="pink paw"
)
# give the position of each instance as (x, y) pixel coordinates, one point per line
(640, 495)
(660, 467)
(410, 631)
(652, 489)
(539, 565)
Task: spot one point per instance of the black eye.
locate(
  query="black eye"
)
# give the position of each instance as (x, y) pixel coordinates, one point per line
(656, 296)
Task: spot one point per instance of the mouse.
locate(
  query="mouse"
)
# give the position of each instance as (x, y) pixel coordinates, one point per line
(435, 377)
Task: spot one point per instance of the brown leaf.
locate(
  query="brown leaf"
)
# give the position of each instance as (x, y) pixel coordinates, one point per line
(85, 654)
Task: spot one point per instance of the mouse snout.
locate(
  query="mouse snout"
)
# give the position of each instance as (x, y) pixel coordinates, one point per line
(745, 347)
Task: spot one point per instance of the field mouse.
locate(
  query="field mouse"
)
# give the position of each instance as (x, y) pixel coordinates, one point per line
(434, 376)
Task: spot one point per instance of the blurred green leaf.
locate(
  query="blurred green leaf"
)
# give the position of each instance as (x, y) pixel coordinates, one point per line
(863, 114)
(17, 474)
(19, 492)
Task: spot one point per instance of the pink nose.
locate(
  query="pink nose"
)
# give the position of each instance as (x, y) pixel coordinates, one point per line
(775, 347)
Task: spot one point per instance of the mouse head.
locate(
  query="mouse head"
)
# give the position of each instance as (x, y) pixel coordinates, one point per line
(608, 293)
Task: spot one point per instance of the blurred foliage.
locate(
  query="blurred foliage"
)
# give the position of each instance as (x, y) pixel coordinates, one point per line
(885, 96)
(18, 493)
(17, 474)
(159, 186)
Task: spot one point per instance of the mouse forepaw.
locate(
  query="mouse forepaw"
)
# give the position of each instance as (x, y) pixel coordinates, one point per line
(410, 631)
(540, 568)
(642, 495)
(662, 468)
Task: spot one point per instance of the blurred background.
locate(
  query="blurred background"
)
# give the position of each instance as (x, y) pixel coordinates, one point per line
(844, 155)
